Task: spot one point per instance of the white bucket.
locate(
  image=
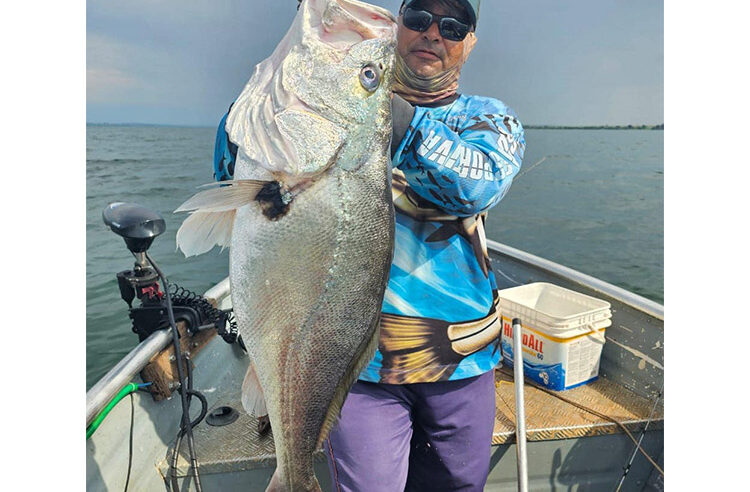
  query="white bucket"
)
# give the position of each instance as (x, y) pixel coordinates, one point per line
(563, 333)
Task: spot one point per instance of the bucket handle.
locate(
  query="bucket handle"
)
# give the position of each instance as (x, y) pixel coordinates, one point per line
(594, 332)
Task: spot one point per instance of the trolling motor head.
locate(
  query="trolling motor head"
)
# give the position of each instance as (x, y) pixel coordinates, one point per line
(138, 225)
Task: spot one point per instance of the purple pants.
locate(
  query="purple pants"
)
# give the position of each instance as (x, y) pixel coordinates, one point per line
(414, 437)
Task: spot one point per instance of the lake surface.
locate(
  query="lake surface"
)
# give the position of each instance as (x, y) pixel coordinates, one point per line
(592, 200)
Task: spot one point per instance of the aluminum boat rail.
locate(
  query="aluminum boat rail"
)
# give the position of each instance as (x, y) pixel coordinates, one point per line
(121, 374)
(626, 297)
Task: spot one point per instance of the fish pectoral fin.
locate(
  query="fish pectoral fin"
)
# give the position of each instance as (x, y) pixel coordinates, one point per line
(224, 196)
(203, 230)
(212, 214)
(252, 398)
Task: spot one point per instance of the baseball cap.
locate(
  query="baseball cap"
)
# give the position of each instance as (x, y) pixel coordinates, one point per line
(472, 7)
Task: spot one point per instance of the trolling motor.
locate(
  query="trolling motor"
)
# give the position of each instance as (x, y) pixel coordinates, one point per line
(139, 226)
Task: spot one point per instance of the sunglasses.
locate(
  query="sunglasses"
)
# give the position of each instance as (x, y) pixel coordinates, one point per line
(449, 27)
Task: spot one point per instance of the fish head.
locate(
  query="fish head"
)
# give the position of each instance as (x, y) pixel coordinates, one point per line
(341, 74)
(342, 67)
(323, 97)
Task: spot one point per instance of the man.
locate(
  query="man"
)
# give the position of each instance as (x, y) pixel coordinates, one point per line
(421, 416)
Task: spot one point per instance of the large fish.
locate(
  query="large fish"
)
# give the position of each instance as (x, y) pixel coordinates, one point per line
(309, 220)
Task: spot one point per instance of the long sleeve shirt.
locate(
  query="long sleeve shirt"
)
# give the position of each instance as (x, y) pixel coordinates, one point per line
(439, 318)
(462, 156)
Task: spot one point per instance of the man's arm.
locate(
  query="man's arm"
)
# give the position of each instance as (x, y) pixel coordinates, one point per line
(225, 152)
(467, 168)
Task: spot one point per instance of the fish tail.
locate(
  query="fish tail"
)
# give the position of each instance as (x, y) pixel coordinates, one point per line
(277, 485)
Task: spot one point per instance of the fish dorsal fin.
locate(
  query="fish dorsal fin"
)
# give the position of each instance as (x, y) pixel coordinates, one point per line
(212, 215)
(252, 398)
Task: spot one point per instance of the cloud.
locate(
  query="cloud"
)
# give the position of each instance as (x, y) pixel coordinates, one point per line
(129, 71)
(106, 85)
(111, 76)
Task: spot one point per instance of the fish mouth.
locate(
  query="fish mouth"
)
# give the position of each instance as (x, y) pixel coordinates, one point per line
(368, 14)
(351, 21)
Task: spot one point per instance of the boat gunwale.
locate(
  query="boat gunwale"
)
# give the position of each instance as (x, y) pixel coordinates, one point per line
(621, 295)
(134, 361)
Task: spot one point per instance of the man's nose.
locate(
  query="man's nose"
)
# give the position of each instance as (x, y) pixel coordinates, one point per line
(433, 32)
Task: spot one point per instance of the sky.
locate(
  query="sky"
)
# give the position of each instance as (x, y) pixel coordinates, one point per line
(582, 62)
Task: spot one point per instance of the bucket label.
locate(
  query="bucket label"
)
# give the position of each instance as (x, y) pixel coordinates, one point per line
(551, 376)
(555, 363)
(533, 346)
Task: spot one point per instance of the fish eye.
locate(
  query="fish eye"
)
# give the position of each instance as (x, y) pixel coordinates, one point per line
(369, 77)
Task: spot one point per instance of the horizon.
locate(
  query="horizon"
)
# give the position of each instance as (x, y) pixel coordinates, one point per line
(530, 125)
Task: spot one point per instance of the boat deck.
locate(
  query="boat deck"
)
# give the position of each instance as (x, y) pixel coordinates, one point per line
(238, 446)
(548, 417)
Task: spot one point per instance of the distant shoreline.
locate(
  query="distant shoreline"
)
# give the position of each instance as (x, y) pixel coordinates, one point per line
(528, 127)
(164, 125)
(595, 127)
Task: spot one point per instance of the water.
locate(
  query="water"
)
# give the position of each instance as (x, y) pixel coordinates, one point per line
(595, 204)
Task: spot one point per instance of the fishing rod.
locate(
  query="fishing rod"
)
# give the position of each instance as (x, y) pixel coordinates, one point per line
(623, 427)
(626, 470)
(527, 171)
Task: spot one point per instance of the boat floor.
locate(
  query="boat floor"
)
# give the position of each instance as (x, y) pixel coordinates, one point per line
(238, 446)
(549, 418)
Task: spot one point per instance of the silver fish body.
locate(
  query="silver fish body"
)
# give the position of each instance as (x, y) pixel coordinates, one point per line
(309, 256)
(307, 291)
